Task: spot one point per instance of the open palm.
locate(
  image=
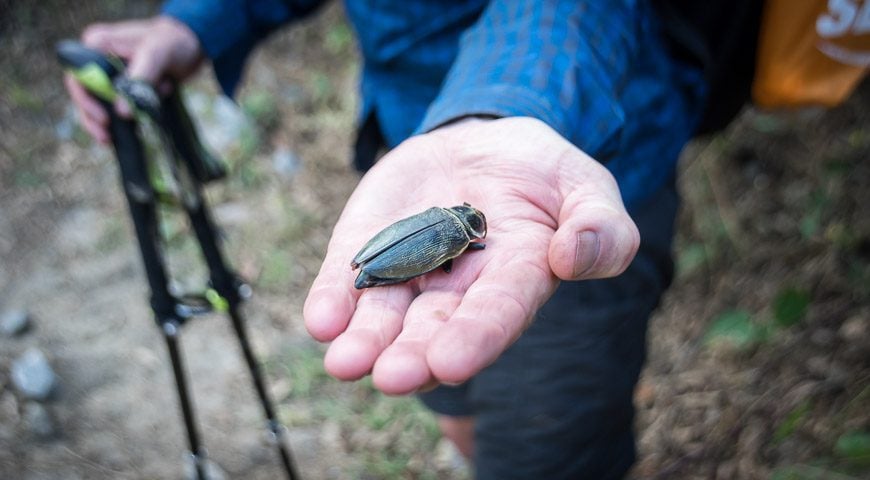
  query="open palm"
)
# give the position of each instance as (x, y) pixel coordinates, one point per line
(552, 213)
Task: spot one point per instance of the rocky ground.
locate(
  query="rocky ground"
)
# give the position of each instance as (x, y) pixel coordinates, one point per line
(759, 359)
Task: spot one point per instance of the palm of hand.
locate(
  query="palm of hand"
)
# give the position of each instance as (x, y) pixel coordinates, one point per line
(445, 327)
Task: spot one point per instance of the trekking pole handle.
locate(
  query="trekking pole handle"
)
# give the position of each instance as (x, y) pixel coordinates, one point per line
(97, 72)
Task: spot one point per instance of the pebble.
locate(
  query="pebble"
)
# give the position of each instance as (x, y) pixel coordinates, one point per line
(220, 120)
(854, 328)
(33, 376)
(38, 421)
(818, 366)
(448, 457)
(66, 127)
(14, 322)
(280, 389)
(285, 162)
(231, 213)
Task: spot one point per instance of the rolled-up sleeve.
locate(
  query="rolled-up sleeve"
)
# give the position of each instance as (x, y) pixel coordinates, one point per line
(561, 61)
(229, 29)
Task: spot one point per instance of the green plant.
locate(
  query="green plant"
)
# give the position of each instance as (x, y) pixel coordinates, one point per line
(790, 306)
(854, 447)
(735, 328)
(262, 107)
(277, 270)
(791, 422)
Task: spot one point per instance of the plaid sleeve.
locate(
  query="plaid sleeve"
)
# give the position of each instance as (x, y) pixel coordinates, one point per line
(229, 29)
(560, 61)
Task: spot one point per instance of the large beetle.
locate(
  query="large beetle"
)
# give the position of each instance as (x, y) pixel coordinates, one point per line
(419, 244)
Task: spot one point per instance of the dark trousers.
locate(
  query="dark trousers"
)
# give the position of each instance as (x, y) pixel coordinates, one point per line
(558, 403)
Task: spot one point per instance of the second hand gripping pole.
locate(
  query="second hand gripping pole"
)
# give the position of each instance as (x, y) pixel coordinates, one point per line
(103, 77)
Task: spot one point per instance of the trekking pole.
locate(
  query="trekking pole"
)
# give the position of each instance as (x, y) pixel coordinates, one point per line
(191, 166)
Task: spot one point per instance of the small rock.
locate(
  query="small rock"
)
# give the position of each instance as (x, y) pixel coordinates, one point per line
(14, 322)
(220, 120)
(38, 421)
(644, 394)
(798, 394)
(683, 435)
(33, 376)
(231, 213)
(854, 328)
(280, 389)
(818, 366)
(448, 458)
(285, 162)
(66, 127)
(292, 93)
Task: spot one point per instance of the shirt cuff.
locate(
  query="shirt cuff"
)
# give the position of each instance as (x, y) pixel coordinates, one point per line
(495, 100)
(600, 139)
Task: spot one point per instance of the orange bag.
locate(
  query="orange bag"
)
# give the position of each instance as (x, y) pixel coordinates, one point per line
(811, 52)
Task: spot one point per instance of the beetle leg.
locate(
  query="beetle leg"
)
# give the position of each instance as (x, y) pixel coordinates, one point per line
(476, 246)
(447, 266)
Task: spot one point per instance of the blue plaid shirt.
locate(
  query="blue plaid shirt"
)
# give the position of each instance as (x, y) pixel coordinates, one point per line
(597, 72)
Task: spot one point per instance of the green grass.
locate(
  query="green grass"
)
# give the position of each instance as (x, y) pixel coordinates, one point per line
(790, 306)
(278, 267)
(854, 447)
(261, 106)
(791, 422)
(736, 329)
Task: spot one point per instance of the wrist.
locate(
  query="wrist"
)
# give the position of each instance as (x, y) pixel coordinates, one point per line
(180, 34)
(185, 49)
(466, 119)
(456, 127)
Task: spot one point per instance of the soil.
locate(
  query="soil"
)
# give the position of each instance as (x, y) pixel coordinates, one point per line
(759, 357)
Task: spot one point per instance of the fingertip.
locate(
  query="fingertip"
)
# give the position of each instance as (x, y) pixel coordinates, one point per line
(96, 35)
(327, 312)
(400, 372)
(351, 356)
(593, 248)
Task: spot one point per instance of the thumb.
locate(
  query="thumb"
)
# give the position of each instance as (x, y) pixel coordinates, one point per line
(596, 237)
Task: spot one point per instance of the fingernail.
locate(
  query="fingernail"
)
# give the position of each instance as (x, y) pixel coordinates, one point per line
(587, 251)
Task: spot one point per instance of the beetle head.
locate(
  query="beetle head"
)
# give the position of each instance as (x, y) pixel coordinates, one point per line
(472, 218)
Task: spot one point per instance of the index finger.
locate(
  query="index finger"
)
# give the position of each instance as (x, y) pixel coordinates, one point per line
(332, 299)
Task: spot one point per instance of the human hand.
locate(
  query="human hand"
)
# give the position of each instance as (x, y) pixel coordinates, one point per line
(158, 50)
(552, 213)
